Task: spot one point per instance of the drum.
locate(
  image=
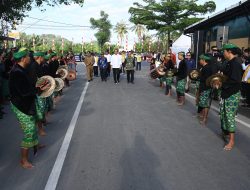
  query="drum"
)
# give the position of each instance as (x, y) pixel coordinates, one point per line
(49, 82)
(215, 81)
(72, 75)
(62, 73)
(154, 74)
(158, 72)
(161, 70)
(59, 84)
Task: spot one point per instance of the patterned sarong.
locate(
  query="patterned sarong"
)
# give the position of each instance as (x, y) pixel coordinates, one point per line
(169, 81)
(40, 108)
(205, 99)
(181, 86)
(28, 125)
(228, 109)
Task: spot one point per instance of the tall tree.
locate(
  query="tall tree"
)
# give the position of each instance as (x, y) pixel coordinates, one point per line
(139, 30)
(121, 29)
(104, 26)
(168, 16)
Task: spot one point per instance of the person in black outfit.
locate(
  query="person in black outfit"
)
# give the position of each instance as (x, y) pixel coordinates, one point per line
(169, 66)
(204, 90)
(53, 65)
(230, 93)
(23, 94)
(181, 76)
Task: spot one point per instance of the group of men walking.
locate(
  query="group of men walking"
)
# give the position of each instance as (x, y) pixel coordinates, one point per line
(117, 63)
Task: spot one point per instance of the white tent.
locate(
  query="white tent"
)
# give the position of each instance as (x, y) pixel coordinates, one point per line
(183, 43)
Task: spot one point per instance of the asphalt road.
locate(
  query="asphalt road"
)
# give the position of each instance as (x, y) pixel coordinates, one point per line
(129, 137)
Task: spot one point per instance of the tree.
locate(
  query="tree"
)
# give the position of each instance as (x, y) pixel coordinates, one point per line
(121, 29)
(103, 25)
(139, 30)
(168, 16)
(14, 10)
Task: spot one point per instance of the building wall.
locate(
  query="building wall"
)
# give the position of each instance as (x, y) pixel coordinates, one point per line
(238, 33)
(242, 43)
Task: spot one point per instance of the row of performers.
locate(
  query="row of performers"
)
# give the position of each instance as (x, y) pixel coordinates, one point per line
(226, 81)
(34, 83)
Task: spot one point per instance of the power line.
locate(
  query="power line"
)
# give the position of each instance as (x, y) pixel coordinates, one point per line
(54, 26)
(47, 28)
(59, 22)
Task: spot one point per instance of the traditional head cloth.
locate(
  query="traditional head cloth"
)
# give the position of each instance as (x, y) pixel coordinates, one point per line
(39, 54)
(205, 57)
(229, 46)
(21, 53)
(47, 57)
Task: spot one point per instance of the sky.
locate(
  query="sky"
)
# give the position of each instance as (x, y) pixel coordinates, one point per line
(76, 15)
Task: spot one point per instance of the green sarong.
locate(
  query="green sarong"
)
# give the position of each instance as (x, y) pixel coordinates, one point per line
(28, 125)
(162, 79)
(40, 108)
(204, 99)
(169, 81)
(181, 86)
(228, 109)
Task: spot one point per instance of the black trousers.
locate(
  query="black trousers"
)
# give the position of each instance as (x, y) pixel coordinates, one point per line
(103, 73)
(108, 69)
(138, 66)
(116, 74)
(130, 75)
(95, 71)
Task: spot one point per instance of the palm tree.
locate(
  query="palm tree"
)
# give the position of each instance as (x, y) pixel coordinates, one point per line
(121, 29)
(139, 30)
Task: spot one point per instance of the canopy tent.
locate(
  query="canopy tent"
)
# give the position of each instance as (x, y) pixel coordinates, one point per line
(183, 43)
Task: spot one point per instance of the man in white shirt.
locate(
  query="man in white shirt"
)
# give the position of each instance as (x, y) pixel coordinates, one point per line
(95, 66)
(108, 57)
(116, 63)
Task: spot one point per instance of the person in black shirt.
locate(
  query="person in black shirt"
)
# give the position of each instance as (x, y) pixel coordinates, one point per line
(204, 90)
(181, 76)
(40, 102)
(169, 66)
(230, 92)
(22, 95)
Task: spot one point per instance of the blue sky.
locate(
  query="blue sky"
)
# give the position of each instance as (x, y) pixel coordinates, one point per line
(74, 14)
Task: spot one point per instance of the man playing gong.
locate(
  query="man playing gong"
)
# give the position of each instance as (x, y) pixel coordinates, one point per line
(23, 104)
(204, 90)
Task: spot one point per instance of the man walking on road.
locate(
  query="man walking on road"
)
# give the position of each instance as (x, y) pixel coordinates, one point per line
(108, 56)
(103, 65)
(129, 65)
(89, 62)
(116, 63)
(138, 61)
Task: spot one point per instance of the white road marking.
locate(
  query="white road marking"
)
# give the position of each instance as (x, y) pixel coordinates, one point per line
(57, 168)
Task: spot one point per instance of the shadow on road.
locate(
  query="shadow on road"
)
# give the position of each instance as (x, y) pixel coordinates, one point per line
(139, 165)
